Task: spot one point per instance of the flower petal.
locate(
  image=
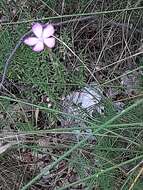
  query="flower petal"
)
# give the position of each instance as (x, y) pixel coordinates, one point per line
(49, 42)
(31, 41)
(38, 47)
(37, 29)
(48, 31)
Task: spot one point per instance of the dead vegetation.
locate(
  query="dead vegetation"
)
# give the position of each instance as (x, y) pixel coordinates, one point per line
(106, 47)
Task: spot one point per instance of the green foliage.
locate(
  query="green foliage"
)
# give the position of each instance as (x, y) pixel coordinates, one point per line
(54, 74)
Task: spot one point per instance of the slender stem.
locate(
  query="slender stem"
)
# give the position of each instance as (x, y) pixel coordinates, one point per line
(47, 169)
(74, 15)
(10, 57)
(104, 126)
(91, 16)
(96, 175)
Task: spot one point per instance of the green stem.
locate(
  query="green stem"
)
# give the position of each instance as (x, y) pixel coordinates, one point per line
(100, 173)
(48, 168)
(74, 15)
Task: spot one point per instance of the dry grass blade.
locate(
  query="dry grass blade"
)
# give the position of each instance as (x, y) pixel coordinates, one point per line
(135, 180)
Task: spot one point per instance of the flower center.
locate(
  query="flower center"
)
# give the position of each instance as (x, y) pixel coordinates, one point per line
(41, 39)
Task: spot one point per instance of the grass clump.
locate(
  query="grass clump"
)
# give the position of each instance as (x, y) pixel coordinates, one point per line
(36, 150)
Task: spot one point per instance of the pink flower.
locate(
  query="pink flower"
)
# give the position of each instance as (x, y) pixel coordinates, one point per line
(43, 36)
